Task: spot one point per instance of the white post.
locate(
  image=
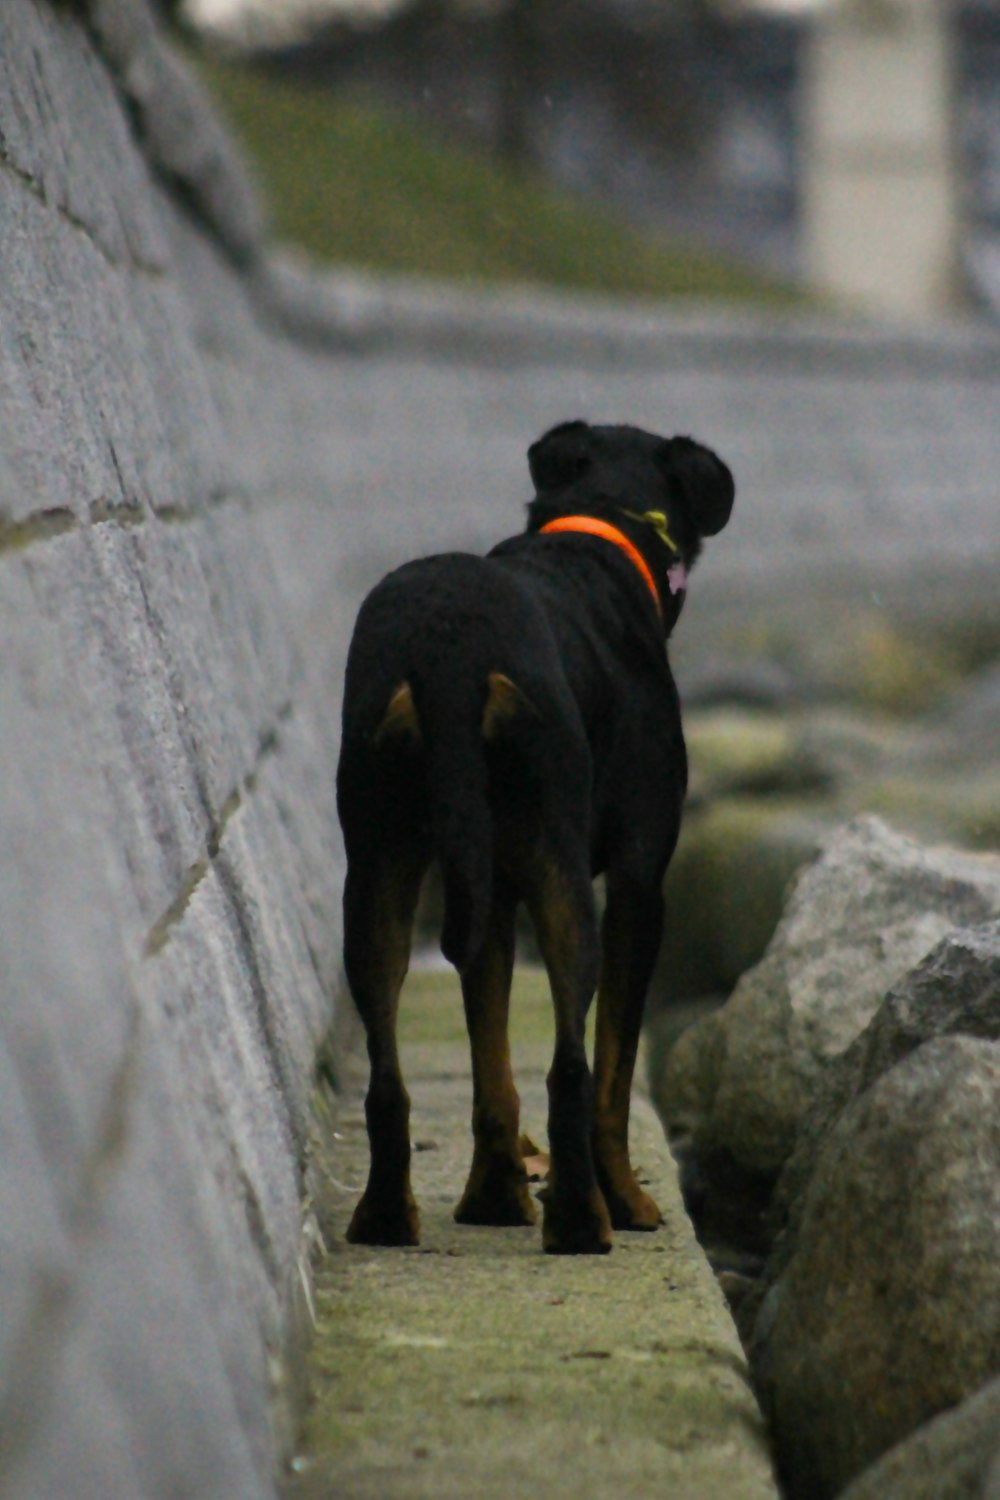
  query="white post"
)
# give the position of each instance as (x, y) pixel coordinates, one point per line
(880, 211)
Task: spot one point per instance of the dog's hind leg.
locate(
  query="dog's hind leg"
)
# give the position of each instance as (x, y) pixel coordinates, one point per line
(379, 902)
(561, 903)
(633, 921)
(497, 1189)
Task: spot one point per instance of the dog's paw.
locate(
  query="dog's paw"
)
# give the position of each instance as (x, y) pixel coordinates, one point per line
(634, 1210)
(377, 1222)
(628, 1205)
(576, 1227)
(505, 1205)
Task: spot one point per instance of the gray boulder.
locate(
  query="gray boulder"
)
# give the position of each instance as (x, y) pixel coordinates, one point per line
(860, 917)
(953, 1457)
(889, 1312)
(970, 716)
(955, 991)
(725, 891)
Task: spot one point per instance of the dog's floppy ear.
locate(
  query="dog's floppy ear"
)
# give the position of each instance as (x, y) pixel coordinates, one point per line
(560, 455)
(705, 483)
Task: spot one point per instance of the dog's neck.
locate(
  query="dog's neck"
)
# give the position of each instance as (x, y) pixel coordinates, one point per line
(592, 526)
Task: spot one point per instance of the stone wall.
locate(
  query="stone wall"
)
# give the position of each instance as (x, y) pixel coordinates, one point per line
(168, 870)
(204, 456)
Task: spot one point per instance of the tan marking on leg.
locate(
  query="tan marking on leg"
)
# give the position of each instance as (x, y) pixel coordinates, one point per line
(620, 996)
(497, 1189)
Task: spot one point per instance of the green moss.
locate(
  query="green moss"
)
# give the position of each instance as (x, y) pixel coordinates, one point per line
(937, 806)
(352, 184)
(431, 1015)
(725, 890)
(742, 751)
(868, 657)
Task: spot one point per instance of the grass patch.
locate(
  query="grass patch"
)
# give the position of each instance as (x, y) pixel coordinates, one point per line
(431, 1012)
(352, 184)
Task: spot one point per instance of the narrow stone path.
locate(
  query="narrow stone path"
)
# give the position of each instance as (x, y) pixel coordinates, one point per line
(476, 1365)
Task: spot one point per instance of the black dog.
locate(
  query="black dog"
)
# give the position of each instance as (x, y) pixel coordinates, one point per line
(515, 717)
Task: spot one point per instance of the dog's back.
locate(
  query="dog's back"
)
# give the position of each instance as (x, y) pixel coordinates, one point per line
(455, 707)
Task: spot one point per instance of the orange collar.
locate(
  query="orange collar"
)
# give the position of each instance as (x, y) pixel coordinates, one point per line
(591, 526)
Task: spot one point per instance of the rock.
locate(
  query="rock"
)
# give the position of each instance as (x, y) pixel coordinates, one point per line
(746, 751)
(951, 800)
(883, 664)
(880, 657)
(890, 1310)
(970, 715)
(725, 891)
(765, 793)
(954, 991)
(852, 744)
(869, 909)
(758, 683)
(952, 1457)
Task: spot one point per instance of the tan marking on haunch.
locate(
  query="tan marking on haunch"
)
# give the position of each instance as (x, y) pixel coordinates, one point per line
(505, 701)
(400, 718)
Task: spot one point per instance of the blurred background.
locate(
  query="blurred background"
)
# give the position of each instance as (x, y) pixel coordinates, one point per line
(749, 148)
(814, 186)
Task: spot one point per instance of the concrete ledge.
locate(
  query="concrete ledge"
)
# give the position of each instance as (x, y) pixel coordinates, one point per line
(506, 325)
(478, 1365)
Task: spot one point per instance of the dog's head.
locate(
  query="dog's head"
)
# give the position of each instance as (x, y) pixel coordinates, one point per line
(672, 489)
(577, 464)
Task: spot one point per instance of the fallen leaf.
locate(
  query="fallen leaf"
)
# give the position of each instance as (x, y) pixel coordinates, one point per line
(536, 1162)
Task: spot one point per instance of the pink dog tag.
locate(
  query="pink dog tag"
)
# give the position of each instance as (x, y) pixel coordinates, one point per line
(677, 577)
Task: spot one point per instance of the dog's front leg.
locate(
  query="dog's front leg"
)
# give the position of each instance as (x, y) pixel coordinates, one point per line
(633, 923)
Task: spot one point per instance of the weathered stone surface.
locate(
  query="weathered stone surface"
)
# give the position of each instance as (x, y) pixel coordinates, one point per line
(61, 123)
(890, 1310)
(846, 444)
(866, 912)
(166, 847)
(180, 136)
(952, 1457)
(955, 991)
